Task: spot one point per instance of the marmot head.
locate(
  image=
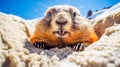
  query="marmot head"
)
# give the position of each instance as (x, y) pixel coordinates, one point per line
(61, 24)
(61, 19)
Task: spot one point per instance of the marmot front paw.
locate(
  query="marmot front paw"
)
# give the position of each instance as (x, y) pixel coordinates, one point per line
(39, 45)
(79, 47)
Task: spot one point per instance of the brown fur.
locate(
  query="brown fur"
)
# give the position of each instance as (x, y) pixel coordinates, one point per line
(78, 32)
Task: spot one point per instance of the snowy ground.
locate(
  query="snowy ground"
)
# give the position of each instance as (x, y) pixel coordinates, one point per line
(16, 51)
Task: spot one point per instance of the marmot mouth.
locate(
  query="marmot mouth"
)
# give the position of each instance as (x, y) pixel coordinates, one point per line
(61, 33)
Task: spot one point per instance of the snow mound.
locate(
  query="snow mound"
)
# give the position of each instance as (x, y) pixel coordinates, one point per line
(16, 51)
(107, 19)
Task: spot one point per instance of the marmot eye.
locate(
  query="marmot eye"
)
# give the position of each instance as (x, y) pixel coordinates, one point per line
(74, 14)
(49, 14)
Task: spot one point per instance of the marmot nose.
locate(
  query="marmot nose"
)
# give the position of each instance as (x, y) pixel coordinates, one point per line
(61, 19)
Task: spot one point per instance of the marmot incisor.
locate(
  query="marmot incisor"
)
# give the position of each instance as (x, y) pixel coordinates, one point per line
(63, 26)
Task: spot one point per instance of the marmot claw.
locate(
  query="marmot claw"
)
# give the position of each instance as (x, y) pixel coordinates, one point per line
(39, 45)
(79, 47)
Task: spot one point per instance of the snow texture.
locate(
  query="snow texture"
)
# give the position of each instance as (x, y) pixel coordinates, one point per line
(16, 51)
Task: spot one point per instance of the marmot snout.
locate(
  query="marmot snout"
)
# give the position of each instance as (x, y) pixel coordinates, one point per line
(63, 26)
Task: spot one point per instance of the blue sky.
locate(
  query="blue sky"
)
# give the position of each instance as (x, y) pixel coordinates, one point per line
(30, 9)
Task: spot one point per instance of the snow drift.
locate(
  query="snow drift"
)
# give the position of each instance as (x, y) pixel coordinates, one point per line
(16, 51)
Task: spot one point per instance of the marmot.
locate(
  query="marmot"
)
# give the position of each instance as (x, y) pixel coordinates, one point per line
(63, 26)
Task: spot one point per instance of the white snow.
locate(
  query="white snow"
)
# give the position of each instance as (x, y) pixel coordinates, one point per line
(104, 52)
(97, 13)
(106, 12)
(111, 10)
